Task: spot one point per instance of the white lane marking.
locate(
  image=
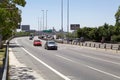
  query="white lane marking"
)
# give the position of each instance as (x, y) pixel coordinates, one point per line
(103, 72)
(64, 58)
(100, 59)
(115, 76)
(55, 71)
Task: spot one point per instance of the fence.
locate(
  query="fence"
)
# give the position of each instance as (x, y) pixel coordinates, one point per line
(6, 63)
(96, 45)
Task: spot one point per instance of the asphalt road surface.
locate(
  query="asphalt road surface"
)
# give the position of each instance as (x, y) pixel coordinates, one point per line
(69, 62)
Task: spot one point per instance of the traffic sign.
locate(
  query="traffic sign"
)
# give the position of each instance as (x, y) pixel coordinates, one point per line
(74, 26)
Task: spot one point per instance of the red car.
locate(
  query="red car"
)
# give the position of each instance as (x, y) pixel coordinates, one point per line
(37, 43)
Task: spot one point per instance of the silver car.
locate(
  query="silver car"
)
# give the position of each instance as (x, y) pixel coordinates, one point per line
(50, 45)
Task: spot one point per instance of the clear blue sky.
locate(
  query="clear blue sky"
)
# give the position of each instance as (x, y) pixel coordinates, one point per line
(90, 13)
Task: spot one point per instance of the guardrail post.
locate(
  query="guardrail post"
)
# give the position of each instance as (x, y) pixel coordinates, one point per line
(79, 43)
(111, 46)
(105, 46)
(85, 44)
(90, 45)
(119, 47)
(99, 45)
(82, 44)
(94, 45)
(76, 43)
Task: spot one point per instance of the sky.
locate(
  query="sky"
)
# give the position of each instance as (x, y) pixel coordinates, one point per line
(87, 13)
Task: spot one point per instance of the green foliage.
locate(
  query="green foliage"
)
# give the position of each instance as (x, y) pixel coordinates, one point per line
(71, 35)
(22, 34)
(87, 33)
(115, 38)
(2, 55)
(109, 32)
(93, 33)
(96, 34)
(117, 30)
(59, 35)
(19, 2)
(10, 16)
(117, 16)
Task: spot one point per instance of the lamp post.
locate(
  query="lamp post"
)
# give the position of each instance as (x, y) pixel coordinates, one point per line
(43, 19)
(62, 15)
(46, 19)
(38, 24)
(68, 16)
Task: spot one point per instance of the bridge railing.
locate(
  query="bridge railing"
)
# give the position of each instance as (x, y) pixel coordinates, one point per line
(6, 63)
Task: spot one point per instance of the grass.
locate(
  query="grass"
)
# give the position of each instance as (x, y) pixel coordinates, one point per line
(2, 53)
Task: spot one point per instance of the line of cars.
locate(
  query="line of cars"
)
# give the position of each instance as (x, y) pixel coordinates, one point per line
(49, 44)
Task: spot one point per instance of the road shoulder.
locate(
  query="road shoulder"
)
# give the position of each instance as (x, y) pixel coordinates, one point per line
(18, 71)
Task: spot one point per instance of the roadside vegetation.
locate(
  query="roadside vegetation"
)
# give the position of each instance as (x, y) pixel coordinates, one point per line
(22, 34)
(10, 17)
(104, 33)
(2, 55)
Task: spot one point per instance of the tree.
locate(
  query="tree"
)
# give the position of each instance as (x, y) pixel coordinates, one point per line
(117, 16)
(80, 32)
(93, 34)
(84, 32)
(10, 16)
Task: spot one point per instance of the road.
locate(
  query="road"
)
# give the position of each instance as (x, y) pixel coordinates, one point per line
(69, 62)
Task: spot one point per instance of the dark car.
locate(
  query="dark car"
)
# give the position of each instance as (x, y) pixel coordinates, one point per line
(51, 45)
(31, 38)
(37, 43)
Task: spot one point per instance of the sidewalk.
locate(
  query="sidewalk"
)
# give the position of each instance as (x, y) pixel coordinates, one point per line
(18, 71)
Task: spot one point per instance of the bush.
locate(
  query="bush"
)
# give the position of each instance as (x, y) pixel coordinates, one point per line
(115, 38)
(22, 34)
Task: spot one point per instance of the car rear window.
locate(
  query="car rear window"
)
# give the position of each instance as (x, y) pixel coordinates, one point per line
(51, 42)
(36, 40)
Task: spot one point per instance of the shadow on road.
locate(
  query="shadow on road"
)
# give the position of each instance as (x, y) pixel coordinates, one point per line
(14, 45)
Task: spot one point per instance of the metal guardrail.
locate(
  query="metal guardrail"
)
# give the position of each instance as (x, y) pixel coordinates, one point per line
(6, 63)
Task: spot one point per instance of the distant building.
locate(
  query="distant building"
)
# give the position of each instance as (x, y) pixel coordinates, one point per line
(25, 28)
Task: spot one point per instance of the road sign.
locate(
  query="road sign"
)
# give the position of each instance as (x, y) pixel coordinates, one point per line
(47, 31)
(74, 26)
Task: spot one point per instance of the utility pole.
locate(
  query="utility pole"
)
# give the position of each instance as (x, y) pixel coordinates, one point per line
(46, 19)
(62, 15)
(38, 24)
(43, 19)
(68, 16)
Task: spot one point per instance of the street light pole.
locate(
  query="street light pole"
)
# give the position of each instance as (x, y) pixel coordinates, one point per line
(38, 25)
(46, 19)
(68, 16)
(43, 19)
(62, 15)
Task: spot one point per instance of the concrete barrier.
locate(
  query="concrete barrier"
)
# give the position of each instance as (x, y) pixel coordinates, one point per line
(97, 45)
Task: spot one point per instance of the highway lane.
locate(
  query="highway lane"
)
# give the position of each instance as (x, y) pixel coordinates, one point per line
(69, 62)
